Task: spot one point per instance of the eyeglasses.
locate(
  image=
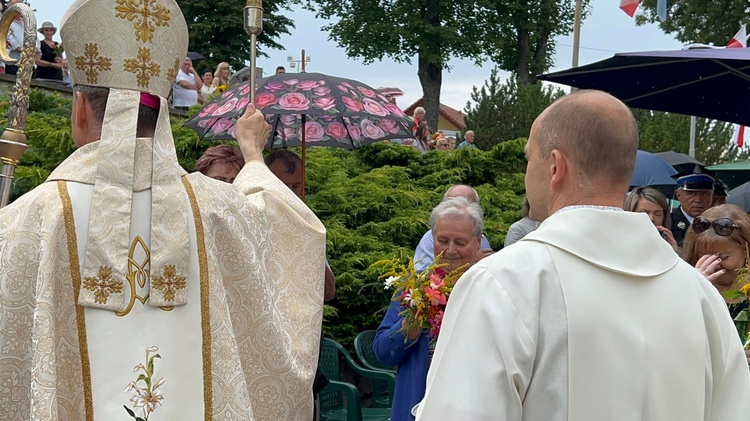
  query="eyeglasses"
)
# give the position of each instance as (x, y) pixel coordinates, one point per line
(721, 226)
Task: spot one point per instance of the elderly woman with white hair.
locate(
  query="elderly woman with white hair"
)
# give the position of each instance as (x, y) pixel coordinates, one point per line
(457, 226)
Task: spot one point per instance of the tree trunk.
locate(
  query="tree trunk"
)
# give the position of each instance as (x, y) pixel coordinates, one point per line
(524, 53)
(431, 79)
(430, 72)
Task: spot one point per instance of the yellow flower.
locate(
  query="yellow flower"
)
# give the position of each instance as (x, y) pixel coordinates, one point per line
(221, 89)
(746, 289)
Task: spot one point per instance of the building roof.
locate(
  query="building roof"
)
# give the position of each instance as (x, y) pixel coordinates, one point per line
(454, 116)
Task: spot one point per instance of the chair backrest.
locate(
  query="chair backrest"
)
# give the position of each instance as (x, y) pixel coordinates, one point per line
(329, 364)
(365, 353)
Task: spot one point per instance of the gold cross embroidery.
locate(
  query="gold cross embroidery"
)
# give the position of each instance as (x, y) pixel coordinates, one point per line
(147, 13)
(102, 285)
(92, 63)
(169, 283)
(172, 73)
(142, 67)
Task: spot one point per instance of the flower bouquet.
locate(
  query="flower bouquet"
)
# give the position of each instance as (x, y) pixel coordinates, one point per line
(423, 296)
(59, 50)
(740, 296)
(221, 89)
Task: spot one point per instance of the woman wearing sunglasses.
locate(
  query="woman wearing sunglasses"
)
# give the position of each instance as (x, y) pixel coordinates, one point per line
(717, 245)
(652, 202)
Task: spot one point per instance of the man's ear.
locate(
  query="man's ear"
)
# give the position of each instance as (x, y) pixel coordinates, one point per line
(559, 168)
(80, 112)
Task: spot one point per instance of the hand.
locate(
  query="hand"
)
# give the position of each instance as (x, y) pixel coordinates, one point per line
(668, 237)
(708, 265)
(482, 253)
(413, 333)
(252, 133)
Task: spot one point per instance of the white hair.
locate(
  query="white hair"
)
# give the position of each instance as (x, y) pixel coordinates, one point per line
(459, 207)
(419, 110)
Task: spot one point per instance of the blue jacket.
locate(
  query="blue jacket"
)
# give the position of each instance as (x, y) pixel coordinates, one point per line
(410, 357)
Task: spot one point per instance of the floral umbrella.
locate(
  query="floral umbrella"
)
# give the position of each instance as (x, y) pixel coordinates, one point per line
(307, 109)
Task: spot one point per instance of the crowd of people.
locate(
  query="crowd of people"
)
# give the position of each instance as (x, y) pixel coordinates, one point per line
(521, 355)
(604, 304)
(425, 140)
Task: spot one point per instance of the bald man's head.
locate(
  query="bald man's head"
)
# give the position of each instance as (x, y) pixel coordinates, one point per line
(462, 190)
(596, 131)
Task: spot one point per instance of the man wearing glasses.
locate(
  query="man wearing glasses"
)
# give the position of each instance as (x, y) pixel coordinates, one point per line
(695, 193)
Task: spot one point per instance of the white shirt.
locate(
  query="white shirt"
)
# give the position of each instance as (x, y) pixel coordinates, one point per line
(183, 97)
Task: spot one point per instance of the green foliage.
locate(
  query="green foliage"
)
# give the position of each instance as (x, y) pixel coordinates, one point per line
(500, 111)
(522, 40)
(518, 35)
(661, 131)
(217, 32)
(698, 21)
(375, 201)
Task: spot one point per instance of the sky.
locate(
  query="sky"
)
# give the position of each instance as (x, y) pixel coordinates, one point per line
(607, 30)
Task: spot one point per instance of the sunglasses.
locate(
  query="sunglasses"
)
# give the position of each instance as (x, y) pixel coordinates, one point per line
(721, 226)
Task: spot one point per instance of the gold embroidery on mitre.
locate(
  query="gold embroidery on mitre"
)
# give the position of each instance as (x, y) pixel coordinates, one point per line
(169, 283)
(102, 285)
(92, 63)
(147, 13)
(172, 73)
(137, 274)
(142, 66)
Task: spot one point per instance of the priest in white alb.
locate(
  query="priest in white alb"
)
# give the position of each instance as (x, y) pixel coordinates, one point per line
(592, 316)
(132, 290)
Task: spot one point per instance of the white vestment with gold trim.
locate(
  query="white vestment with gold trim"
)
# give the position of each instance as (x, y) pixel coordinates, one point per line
(591, 317)
(243, 347)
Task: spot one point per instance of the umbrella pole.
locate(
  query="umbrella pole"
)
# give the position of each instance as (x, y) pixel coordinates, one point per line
(303, 158)
(691, 151)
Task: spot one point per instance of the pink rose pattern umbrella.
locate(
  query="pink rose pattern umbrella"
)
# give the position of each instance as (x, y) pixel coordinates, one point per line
(334, 112)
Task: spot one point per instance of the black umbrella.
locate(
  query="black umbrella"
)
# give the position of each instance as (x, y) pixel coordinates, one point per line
(684, 164)
(195, 56)
(704, 83)
(740, 196)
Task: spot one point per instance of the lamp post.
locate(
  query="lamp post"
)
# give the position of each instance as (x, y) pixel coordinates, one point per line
(253, 22)
(305, 59)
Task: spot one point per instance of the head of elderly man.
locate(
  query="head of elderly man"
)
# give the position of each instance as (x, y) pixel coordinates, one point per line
(457, 225)
(581, 151)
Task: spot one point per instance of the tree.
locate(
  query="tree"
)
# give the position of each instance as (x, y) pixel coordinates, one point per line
(661, 132)
(433, 32)
(525, 44)
(217, 32)
(504, 111)
(703, 21)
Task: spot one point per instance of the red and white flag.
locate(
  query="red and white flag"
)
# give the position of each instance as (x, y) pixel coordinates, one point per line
(629, 6)
(739, 41)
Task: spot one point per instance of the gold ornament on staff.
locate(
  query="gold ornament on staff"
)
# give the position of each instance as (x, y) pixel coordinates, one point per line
(253, 22)
(13, 139)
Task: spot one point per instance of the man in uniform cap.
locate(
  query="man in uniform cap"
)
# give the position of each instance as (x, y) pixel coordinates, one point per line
(129, 287)
(695, 193)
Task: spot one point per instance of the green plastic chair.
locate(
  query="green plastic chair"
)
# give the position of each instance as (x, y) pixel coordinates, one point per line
(341, 401)
(363, 348)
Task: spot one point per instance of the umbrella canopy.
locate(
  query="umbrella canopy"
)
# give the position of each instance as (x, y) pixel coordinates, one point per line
(732, 173)
(702, 82)
(307, 108)
(650, 170)
(192, 55)
(684, 164)
(740, 196)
